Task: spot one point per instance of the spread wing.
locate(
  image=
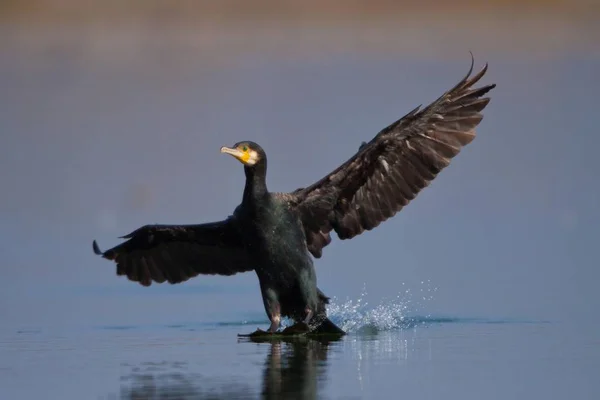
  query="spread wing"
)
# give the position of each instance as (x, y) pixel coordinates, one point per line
(390, 170)
(175, 253)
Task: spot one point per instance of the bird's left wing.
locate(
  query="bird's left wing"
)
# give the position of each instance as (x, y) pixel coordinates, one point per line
(176, 253)
(389, 171)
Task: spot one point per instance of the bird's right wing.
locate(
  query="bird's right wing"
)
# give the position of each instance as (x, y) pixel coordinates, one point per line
(175, 253)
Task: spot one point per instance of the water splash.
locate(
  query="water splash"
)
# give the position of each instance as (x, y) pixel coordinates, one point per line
(407, 310)
(390, 314)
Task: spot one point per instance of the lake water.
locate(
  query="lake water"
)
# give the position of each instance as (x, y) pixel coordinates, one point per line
(385, 354)
(484, 287)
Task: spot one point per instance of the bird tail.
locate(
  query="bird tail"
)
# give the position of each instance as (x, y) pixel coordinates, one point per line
(322, 298)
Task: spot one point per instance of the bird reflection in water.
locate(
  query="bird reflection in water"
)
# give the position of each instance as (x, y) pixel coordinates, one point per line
(294, 368)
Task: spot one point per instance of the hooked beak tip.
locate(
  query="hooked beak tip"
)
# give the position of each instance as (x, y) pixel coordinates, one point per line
(230, 151)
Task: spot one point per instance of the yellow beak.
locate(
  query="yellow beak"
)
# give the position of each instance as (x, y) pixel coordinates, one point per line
(242, 156)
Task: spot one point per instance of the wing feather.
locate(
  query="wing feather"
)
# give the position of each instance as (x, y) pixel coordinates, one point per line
(176, 253)
(390, 170)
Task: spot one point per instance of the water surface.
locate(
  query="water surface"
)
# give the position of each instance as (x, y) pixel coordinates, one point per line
(419, 357)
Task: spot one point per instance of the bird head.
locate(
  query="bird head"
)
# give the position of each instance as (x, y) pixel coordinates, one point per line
(248, 153)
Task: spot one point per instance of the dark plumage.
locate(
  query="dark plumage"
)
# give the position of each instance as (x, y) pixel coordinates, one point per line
(274, 234)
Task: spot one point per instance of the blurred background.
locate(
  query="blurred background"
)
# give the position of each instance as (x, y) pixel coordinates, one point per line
(112, 115)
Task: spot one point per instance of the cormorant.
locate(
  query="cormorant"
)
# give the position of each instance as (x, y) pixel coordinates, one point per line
(275, 234)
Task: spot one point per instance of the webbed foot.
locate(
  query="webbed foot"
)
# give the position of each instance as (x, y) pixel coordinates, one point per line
(260, 332)
(298, 328)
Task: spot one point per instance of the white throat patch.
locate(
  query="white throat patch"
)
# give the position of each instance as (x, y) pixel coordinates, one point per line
(253, 157)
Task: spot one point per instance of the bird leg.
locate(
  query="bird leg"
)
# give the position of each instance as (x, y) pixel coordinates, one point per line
(275, 323)
(309, 315)
(272, 307)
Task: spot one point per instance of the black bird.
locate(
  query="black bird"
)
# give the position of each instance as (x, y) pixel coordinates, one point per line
(275, 234)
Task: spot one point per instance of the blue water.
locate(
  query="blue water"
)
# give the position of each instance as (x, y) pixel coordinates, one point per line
(389, 350)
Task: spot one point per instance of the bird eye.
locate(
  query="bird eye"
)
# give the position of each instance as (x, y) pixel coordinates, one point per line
(245, 148)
